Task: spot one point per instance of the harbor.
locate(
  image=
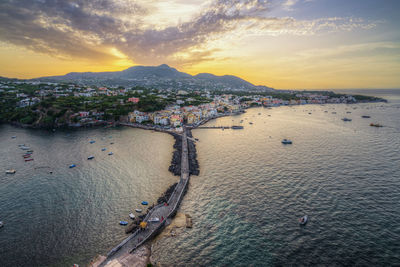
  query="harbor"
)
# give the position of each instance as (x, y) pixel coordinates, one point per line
(163, 212)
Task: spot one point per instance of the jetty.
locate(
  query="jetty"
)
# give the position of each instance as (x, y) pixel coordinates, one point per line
(164, 212)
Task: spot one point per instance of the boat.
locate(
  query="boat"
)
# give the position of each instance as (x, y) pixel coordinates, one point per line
(123, 222)
(138, 210)
(145, 203)
(103, 149)
(29, 159)
(72, 166)
(90, 157)
(375, 125)
(348, 112)
(286, 142)
(11, 171)
(303, 220)
(334, 112)
(13, 137)
(259, 113)
(155, 219)
(346, 119)
(92, 141)
(132, 216)
(365, 116)
(25, 147)
(29, 151)
(110, 153)
(21, 145)
(111, 143)
(235, 127)
(1, 224)
(250, 123)
(26, 155)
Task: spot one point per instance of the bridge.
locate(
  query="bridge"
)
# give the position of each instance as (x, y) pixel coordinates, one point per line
(164, 212)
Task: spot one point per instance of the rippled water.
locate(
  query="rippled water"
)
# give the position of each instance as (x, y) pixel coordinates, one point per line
(245, 203)
(72, 215)
(252, 189)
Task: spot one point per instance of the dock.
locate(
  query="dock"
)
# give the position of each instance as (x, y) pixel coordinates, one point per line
(163, 211)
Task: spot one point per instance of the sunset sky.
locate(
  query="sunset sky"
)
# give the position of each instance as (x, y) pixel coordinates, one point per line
(288, 44)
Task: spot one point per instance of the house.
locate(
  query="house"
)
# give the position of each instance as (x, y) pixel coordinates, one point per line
(133, 100)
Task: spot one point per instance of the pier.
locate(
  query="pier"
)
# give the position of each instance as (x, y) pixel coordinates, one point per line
(213, 127)
(163, 211)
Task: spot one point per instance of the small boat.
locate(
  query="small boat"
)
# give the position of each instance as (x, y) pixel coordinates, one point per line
(132, 216)
(26, 155)
(145, 203)
(123, 222)
(13, 137)
(259, 113)
(155, 219)
(103, 149)
(92, 141)
(235, 127)
(29, 151)
(346, 119)
(90, 157)
(138, 210)
(286, 142)
(72, 166)
(303, 220)
(1, 224)
(348, 112)
(365, 116)
(250, 123)
(12, 171)
(21, 145)
(376, 125)
(110, 153)
(29, 159)
(334, 112)
(25, 147)
(111, 143)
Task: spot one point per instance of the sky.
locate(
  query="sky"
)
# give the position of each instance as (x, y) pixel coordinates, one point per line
(284, 44)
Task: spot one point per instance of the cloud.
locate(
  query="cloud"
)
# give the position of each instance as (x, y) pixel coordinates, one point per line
(91, 29)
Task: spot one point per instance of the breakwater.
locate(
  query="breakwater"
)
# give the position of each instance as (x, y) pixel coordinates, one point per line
(157, 217)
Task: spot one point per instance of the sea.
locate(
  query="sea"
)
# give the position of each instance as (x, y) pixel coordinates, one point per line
(245, 204)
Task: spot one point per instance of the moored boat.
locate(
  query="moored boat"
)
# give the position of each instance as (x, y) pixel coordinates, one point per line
(287, 141)
(375, 125)
(132, 216)
(11, 171)
(138, 210)
(346, 119)
(123, 222)
(90, 157)
(92, 141)
(303, 220)
(72, 166)
(29, 159)
(103, 149)
(110, 153)
(145, 203)
(1, 224)
(365, 116)
(236, 127)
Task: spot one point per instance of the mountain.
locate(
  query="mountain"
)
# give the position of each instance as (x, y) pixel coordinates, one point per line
(162, 76)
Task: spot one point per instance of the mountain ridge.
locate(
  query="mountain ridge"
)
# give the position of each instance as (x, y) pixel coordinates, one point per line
(157, 76)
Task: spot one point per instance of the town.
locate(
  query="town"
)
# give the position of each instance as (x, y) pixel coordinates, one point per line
(48, 104)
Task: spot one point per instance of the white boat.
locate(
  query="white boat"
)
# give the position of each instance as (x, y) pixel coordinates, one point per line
(132, 216)
(12, 171)
(286, 141)
(303, 220)
(138, 210)
(155, 219)
(1, 224)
